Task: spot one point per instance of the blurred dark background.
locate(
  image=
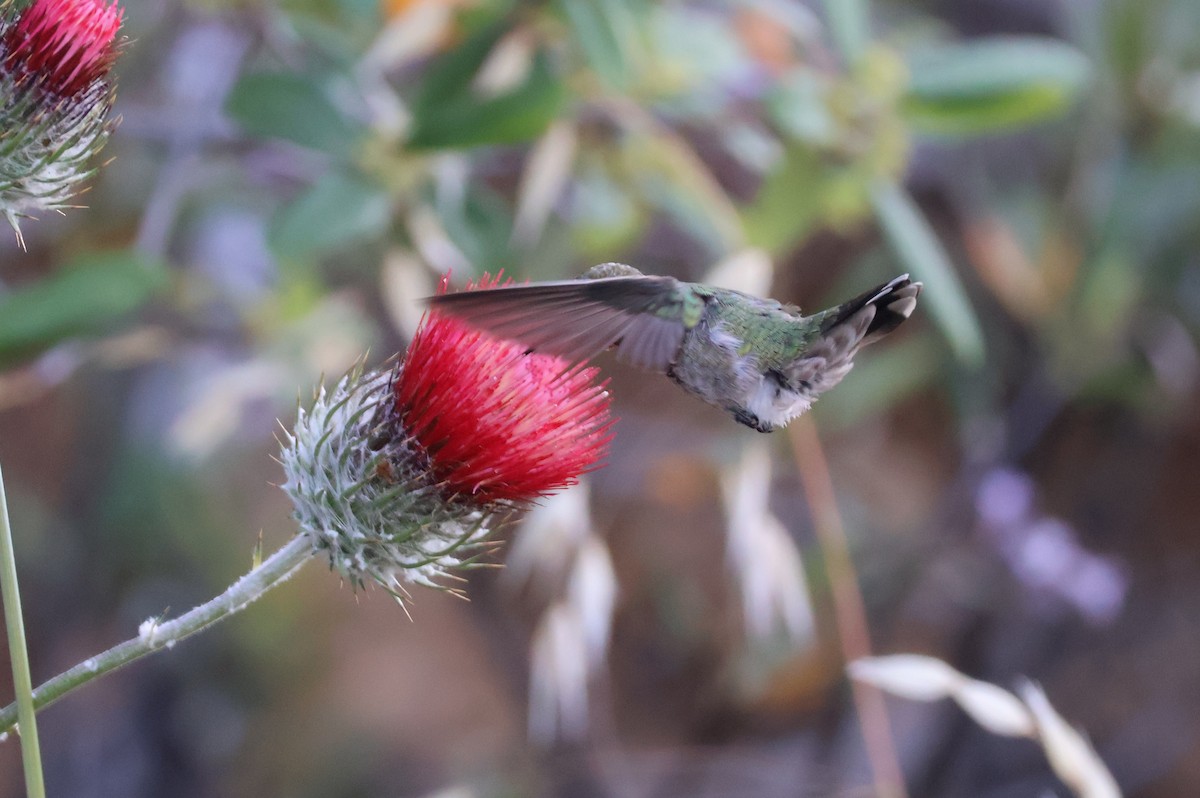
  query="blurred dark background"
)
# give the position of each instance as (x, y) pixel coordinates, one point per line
(1017, 469)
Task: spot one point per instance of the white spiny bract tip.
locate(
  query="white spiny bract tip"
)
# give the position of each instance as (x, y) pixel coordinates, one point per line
(376, 512)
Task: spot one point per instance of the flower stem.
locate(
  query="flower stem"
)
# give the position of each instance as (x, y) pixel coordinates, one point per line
(31, 756)
(154, 636)
(849, 609)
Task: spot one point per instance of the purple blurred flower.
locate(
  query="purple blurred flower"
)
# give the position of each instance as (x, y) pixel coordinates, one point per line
(1043, 552)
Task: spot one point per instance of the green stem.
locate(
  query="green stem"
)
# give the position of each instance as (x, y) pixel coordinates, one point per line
(154, 636)
(31, 755)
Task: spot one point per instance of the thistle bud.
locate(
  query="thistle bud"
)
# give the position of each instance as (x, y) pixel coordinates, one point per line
(399, 476)
(55, 99)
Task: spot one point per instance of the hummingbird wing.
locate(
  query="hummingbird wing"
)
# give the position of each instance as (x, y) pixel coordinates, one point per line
(643, 316)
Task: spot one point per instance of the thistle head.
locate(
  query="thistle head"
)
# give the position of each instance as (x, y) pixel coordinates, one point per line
(55, 98)
(400, 475)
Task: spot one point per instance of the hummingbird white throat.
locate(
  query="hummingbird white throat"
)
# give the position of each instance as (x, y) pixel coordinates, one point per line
(758, 359)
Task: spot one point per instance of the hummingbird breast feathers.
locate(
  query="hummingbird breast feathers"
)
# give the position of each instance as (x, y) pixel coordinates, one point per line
(718, 364)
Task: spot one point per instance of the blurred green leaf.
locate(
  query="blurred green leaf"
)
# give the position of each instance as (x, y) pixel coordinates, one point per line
(667, 172)
(90, 295)
(1124, 33)
(798, 105)
(481, 227)
(600, 27)
(605, 218)
(463, 119)
(992, 83)
(1108, 292)
(1125, 381)
(690, 61)
(339, 208)
(922, 254)
(337, 27)
(291, 107)
(339, 37)
(1154, 203)
(788, 204)
(450, 75)
(850, 27)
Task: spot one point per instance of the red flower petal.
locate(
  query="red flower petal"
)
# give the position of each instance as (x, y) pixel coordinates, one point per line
(496, 423)
(66, 44)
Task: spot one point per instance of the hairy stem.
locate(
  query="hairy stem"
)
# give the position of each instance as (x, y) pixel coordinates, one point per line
(154, 636)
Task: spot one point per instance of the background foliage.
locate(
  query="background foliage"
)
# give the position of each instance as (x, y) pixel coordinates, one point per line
(1017, 471)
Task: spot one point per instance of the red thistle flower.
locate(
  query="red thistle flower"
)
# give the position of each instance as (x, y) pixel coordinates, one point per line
(65, 44)
(399, 476)
(497, 424)
(54, 100)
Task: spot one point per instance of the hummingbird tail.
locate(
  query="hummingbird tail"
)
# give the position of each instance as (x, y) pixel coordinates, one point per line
(844, 330)
(892, 303)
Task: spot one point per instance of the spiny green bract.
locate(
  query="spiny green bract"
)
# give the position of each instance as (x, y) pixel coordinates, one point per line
(365, 498)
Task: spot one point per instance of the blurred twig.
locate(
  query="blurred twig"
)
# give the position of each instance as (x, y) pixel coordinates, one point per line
(849, 610)
(28, 384)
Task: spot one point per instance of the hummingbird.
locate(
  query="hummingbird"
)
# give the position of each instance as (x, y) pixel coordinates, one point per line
(761, 361)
